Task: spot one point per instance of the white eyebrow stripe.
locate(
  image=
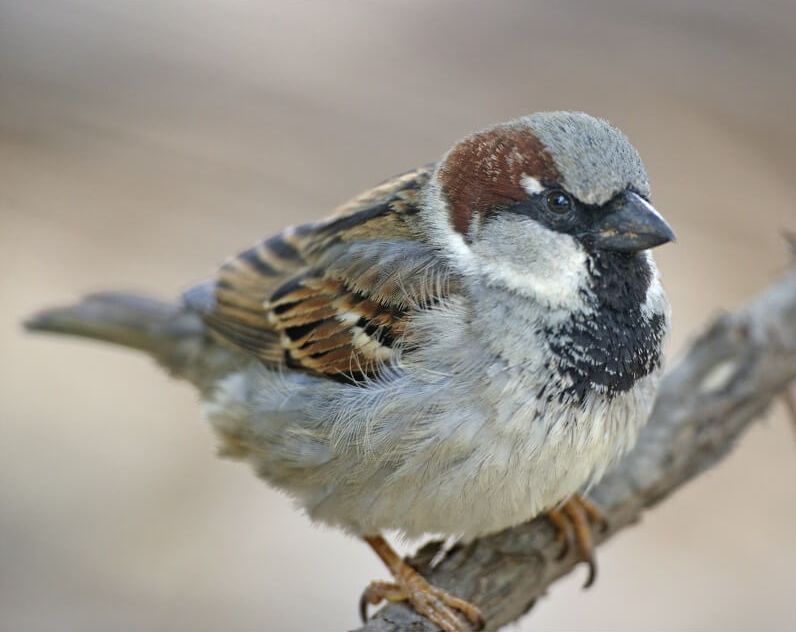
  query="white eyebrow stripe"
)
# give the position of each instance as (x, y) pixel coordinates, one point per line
(531, 185)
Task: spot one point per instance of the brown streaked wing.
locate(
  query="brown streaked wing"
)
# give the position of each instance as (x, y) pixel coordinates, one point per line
(332, 297)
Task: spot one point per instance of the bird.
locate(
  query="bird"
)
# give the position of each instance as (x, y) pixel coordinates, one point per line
(455, 351)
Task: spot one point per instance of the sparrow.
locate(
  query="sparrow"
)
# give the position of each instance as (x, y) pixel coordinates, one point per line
(458, 350)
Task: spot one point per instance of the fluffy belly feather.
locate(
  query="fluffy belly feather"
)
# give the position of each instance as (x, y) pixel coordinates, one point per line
(446, 458)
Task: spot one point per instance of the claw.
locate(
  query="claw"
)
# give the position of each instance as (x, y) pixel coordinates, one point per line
(574, 523)
(377, 592)
(436, 604)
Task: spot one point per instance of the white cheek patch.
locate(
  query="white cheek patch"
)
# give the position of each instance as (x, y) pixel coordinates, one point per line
(531, 185)
(534, 261)
(518, 254)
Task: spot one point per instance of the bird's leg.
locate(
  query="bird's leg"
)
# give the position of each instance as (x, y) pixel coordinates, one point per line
(435, 604)
(574, 521)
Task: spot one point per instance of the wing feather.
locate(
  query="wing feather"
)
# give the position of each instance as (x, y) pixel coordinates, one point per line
(331, 298)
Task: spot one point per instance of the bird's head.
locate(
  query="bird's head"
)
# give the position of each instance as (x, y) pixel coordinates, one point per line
(534, 202)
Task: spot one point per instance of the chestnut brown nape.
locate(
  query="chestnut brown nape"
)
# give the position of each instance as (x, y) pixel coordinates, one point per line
(486, 169)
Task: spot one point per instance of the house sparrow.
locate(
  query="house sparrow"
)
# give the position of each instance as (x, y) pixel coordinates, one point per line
(455, 351)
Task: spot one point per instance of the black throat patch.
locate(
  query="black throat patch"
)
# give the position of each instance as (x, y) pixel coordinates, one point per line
(609, 347)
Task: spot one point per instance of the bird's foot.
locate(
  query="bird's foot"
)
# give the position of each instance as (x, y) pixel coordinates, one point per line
(447, 611)
(437, 605)
(574, 521)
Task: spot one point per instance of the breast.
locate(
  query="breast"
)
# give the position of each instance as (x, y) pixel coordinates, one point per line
(459, 439)
(492, 471)
(528, 418)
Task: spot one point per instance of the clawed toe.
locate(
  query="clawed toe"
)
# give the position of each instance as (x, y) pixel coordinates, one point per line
(437, 605)
(450, 613)
(575, 522)
(444, 609)
(376, 592)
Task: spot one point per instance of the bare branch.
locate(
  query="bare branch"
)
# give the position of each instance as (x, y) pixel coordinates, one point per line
(790, 406)
(727, 379)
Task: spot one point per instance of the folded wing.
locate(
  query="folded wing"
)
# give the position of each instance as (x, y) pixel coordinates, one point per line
(332, 298)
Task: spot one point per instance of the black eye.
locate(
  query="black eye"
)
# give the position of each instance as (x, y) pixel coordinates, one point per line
(559, 202)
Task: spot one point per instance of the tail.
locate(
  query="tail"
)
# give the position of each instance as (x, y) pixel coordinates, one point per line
(166, 331)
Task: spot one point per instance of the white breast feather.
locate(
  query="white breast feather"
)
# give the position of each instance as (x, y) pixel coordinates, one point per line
(452, 441)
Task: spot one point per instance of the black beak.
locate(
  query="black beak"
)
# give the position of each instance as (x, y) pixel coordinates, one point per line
(628, 224)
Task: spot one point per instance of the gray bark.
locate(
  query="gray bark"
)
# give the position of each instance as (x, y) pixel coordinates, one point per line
(726, 380)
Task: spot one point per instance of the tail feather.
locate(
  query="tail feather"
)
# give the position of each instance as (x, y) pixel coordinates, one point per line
(124, 319)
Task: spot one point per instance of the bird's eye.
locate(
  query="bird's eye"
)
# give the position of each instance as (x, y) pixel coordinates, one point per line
(559, 202)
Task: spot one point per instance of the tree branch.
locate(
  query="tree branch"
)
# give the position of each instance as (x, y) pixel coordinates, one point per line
(727, 379)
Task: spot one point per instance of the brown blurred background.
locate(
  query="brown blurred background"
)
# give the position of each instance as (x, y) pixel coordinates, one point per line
(143, 142)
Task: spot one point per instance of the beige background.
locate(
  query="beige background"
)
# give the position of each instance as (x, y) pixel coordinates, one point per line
(143, 142)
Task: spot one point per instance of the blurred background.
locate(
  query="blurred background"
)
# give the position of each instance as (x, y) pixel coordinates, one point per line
(143, 142)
